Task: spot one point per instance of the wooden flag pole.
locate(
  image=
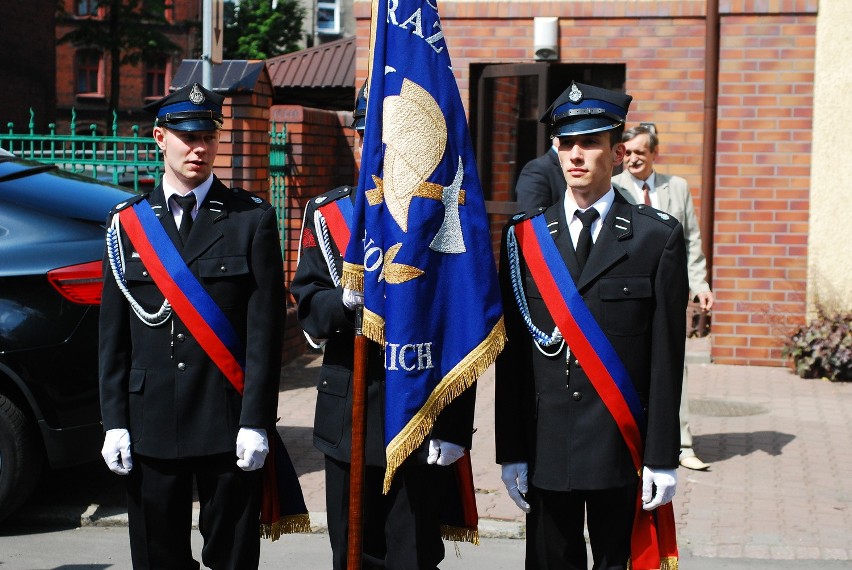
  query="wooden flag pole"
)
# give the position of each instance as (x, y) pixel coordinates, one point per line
(356, 463)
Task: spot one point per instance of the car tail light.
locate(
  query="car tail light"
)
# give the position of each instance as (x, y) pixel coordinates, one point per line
(80, 284)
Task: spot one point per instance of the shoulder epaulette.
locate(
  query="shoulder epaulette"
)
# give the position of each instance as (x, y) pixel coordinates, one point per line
(526, 215)
(332, 195)
(251, 197)
(658, 215)
(127, 203)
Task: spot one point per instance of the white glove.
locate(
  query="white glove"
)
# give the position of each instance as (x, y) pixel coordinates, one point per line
(443, 452)
(252, 448)
(515, 479)
(116, 451)
(665, 481)
(352, 298)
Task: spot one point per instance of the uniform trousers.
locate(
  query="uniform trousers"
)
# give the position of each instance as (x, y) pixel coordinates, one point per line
(159, 510)
(401, 530)
(555, 538)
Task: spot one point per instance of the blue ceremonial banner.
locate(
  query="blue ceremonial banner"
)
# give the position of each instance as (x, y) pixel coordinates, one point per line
(420, 247)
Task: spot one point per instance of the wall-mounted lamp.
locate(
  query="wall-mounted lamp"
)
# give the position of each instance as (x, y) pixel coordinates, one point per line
(546, 38)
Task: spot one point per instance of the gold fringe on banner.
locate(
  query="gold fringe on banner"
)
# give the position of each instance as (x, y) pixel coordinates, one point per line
(373, 327)
(459, 534)
(286, 525)
(459, 379)
(353, 276)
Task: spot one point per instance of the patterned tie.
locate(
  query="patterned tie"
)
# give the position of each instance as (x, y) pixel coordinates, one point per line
(584, 242)
(646, 194)
(186, 203)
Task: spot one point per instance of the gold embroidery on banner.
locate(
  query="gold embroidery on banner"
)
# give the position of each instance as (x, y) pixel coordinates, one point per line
(435, 192)
(415, 135)
(396, 273)
(375, 196)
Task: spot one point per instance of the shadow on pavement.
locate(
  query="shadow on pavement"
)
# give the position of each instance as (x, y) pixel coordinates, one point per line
(720, 446)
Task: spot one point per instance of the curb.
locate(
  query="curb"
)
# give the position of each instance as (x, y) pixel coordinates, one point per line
(97, 516)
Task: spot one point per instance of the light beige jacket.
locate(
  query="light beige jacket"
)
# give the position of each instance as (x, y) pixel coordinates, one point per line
(676, 200)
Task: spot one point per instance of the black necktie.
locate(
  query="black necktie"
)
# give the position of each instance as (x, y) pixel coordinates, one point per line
(584, 242)
(187, 203)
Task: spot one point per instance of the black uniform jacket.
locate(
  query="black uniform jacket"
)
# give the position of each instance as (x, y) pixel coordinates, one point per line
(541, 183)
(157, 381)
(548, 414)
(323, 316)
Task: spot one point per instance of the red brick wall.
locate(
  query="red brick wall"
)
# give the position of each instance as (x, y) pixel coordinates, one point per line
(243, 158)
(763, 179)
(322, 158)
(763, 154)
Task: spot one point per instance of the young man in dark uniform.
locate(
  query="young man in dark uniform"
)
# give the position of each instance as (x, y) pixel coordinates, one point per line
(401, 529)
(620, 270)
(175, 416)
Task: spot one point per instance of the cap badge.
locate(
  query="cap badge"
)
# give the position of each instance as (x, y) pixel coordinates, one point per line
(320, 200)
(575, 95)
(196, 96)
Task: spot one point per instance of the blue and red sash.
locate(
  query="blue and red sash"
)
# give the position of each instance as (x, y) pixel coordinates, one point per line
(201, 315)
(338, 217)
(653, 543)
(283, 508)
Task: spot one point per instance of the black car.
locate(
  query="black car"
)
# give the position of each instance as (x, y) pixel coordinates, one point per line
(52, 228)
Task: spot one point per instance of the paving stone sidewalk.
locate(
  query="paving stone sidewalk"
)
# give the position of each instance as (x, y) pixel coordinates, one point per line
(778, 488)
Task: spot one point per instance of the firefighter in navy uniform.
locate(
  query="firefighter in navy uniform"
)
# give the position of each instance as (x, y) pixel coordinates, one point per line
(564, 460)
(173, 419)
(400, 529)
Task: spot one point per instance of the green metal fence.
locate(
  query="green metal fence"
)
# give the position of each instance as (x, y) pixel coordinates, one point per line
(132, 161)
(278, 176)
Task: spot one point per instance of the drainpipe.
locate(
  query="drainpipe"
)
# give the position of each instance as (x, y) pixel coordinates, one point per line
(708, 162)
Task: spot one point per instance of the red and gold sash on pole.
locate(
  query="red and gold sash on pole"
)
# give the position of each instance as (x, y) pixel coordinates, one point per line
(653, 542)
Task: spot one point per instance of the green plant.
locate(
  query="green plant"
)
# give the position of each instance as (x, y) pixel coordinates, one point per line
(823, 347)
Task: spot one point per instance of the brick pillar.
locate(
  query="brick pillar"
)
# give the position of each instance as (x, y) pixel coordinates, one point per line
(243, 158)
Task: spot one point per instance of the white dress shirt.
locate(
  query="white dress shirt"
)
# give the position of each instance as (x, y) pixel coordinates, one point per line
(575, 225)
(200, 192)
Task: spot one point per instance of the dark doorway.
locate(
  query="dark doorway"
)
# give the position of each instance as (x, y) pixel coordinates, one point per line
(506, 103)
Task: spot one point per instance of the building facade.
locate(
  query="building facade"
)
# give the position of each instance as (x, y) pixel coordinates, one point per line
(83, 73)
(758, 199)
